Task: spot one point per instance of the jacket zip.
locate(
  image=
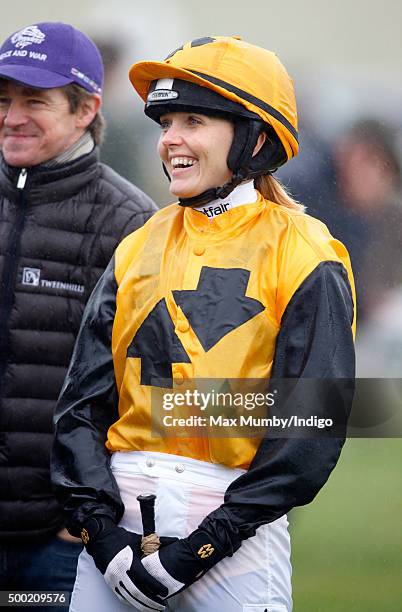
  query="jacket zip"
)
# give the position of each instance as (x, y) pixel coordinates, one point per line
(22, 179)
(11, 269)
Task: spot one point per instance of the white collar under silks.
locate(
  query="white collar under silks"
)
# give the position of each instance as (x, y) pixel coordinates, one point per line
(242, 194)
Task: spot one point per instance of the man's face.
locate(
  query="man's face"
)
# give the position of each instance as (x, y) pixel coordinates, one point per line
(36, 125)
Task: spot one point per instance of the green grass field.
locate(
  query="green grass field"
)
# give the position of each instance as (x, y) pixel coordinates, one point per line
(347, 544)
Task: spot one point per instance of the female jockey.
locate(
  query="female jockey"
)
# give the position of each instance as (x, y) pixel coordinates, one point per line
(234, 282)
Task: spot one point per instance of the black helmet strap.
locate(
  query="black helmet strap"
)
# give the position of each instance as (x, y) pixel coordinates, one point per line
(246, 133)
(214, 193)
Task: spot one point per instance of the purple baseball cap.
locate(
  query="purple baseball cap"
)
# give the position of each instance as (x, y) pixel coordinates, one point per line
(52, 54)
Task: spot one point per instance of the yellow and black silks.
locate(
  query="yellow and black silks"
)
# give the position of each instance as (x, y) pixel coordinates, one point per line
(202, 300)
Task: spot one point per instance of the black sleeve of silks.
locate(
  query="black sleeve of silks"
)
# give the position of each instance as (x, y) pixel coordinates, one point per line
(315, 342)
(87, 406)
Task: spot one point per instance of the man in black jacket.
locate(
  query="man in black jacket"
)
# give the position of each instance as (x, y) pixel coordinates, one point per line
(62, 213)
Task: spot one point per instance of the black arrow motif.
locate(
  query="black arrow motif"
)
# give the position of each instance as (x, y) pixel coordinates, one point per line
(158, 347)
(219, 304)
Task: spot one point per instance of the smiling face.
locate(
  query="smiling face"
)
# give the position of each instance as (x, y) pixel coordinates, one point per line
(37, 125)
(194, 149)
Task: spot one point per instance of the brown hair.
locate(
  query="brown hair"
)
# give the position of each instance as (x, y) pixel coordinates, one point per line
(75, 95)
(273, 190)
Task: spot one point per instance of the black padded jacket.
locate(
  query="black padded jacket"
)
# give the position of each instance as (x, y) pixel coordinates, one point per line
(58, 230)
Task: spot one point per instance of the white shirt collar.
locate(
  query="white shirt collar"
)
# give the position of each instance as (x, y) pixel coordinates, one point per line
(242, 194)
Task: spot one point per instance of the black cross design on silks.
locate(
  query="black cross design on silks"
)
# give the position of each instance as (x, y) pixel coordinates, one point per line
(216, 307)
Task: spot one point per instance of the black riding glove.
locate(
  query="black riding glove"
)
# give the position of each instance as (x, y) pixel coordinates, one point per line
(117, 555)
(183, 562)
